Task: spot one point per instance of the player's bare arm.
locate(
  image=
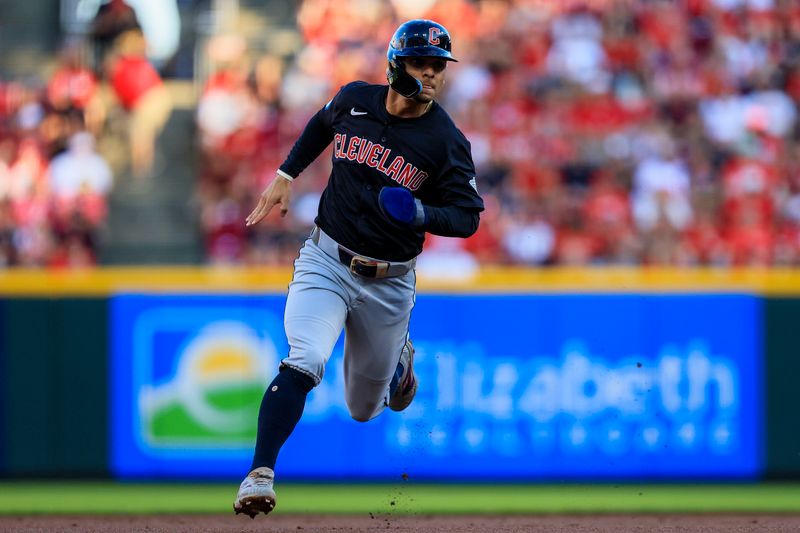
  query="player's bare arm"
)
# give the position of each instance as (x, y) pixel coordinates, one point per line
(278, 192)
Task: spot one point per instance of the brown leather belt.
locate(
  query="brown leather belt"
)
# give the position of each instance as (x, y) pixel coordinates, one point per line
(360, 265)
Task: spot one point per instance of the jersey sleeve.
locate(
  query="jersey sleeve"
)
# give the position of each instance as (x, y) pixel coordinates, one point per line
(338, 103)
(457, 183)
(316, 136)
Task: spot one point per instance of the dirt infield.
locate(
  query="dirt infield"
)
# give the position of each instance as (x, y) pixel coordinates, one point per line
(433, 524)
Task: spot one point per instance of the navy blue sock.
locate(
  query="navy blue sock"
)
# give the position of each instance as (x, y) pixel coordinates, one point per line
(398, 373)
(280, 411)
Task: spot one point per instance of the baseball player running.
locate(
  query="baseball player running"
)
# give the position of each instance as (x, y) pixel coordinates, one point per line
(400, 168)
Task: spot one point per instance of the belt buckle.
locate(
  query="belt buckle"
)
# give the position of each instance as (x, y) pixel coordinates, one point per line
(364, 267)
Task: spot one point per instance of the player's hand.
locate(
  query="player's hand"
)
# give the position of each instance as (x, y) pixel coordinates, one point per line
(278, 192)
(399, 204)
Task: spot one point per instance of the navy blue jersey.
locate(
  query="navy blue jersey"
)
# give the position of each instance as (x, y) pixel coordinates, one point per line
(373, 149)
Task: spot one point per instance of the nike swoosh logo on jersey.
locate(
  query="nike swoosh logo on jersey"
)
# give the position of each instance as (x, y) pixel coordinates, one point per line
(356, 113)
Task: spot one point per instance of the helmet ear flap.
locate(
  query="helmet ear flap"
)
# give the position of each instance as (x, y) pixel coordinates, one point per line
(401, 81)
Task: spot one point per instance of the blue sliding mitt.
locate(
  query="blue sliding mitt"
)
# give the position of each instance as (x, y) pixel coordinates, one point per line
(399, 204)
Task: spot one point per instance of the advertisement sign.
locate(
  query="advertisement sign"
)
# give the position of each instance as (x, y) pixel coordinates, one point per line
(516, 387)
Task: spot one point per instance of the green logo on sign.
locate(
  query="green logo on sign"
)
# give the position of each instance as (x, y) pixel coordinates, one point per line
(214, 395)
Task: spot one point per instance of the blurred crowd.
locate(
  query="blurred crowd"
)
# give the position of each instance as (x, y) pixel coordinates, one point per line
(54, 183)
(603, 132)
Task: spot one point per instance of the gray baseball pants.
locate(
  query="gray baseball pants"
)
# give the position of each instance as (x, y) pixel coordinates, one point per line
(326, 297)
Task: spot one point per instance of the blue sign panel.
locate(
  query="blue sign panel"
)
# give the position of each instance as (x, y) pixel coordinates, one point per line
(511, 387)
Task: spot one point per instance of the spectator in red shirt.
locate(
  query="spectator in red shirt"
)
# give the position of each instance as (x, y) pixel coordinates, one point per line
(703, 244)
(575, 245)
(606, 212)
(73, 86)
(750, 236)
(73, 250)
(141, 92)
(113, 18)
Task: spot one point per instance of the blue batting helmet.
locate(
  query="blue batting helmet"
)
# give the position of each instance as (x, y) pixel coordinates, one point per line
(415, 38)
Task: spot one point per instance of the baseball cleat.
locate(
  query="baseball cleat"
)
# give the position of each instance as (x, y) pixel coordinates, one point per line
(407, 388)
(256, 494)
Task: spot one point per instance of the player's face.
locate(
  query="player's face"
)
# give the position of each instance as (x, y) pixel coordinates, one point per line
(430, 71)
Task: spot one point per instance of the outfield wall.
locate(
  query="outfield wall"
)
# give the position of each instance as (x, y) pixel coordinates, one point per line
(527, 375)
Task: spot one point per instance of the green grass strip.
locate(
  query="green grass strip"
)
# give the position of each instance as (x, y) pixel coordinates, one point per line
(406, 498)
